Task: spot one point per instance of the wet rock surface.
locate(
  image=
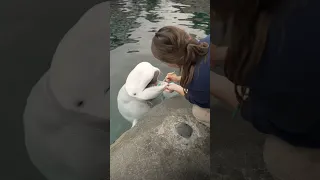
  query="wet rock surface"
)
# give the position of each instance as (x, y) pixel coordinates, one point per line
(184, 130)
(168, 143)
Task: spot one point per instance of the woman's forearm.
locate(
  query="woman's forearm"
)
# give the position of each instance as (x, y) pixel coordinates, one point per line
(180, 91)
(218, 55)
(221, 53)
(223, 89)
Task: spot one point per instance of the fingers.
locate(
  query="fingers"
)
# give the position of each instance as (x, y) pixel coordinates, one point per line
(170, 77)
(171, 86)
(168, 87)
(168, 90)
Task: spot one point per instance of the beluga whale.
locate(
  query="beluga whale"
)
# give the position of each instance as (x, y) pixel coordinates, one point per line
(136, 96)
(66, 118)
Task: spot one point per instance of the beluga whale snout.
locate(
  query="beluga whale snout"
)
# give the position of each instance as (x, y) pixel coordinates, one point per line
(142, 82)
(142, 86)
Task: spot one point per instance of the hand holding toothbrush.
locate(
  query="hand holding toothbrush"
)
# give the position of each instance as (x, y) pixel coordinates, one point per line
(172, 77)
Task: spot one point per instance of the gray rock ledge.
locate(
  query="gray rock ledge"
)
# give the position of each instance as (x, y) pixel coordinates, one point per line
(167, 144)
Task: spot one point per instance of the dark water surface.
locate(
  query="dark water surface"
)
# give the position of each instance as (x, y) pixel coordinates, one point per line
(133, 24)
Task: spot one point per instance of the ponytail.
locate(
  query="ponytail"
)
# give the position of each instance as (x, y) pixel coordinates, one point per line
(194, 54)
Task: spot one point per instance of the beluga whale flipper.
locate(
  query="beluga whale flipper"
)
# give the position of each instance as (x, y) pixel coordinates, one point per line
(66, 118)
(141, 87)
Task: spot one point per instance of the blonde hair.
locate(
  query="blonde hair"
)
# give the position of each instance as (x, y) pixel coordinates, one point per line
(174, 46)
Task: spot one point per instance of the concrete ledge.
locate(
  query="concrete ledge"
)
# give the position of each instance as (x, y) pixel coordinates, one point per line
(168, 143)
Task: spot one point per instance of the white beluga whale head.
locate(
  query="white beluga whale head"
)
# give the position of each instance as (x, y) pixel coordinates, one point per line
(66, 118)
(79, 72)
(142, 82)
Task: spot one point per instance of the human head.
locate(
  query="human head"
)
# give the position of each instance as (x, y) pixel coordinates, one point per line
(177, 48)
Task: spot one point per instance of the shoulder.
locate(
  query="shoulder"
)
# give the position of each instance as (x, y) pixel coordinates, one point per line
(206, 39)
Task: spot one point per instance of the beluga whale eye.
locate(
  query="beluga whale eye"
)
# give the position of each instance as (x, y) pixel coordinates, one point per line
(134, 94)
(79, 103)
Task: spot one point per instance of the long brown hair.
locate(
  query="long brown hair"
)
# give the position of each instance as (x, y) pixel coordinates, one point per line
(248, 22)
(174, 46)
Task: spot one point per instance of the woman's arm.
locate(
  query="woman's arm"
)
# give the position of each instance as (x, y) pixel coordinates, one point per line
(179, 90)
(175, 87)
(218, 55)
(220, 86)
(223, 89)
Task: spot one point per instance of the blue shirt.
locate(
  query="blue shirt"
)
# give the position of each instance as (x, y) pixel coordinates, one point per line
(199, 87)
(284, 99)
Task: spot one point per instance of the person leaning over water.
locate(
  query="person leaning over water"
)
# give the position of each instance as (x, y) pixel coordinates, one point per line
(178, 49)
(272, 74)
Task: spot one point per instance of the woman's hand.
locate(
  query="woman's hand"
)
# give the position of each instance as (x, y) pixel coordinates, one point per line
(172, 77)
(174, 87)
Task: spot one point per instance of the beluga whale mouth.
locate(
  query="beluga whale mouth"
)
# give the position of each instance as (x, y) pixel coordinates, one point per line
(154, 81)
(142, 82)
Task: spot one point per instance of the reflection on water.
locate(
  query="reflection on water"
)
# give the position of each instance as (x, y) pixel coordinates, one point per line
(133, 23)
(127, 15)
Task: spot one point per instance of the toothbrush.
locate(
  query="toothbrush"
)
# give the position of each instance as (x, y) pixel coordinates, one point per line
(165, 77)
(169, 73)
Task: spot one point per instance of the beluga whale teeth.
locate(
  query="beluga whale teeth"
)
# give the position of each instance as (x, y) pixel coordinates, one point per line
(142, 86)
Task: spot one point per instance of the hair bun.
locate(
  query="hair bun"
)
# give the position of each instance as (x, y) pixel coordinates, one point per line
(200, 49)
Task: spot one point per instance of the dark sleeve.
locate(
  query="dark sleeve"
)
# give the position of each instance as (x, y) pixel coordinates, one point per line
(200, 98)
(285, 95)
